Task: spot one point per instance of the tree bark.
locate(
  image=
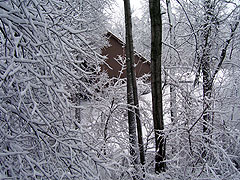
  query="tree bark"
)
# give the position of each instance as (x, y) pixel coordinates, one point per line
(132, 80)
(131, 99)
(206, 68)
(207, 72)
(156, 84)
(173, 93)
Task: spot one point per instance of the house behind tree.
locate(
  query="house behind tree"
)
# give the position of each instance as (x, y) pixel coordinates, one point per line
(115, 63)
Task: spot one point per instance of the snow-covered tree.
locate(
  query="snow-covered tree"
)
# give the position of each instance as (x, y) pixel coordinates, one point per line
(206, 31)
(48, 50)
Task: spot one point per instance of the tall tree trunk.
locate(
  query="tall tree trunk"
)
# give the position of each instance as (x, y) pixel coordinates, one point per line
(132, 80)
(205, 63)
(156, 84)
(208, 73)
(173, 94)
(172, 62)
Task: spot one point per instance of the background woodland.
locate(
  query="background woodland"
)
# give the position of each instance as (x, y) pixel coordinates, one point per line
(61, 117)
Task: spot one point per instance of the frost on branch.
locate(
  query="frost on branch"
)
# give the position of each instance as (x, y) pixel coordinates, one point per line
(42, 47)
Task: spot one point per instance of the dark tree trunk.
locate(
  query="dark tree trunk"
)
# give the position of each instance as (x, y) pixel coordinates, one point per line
(130, 87)
(132, 79)
(156, 84)
(206, 68)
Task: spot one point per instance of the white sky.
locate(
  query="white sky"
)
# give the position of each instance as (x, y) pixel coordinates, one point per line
(135, 4)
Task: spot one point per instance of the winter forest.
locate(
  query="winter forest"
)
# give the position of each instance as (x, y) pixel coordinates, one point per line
(62, 117)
